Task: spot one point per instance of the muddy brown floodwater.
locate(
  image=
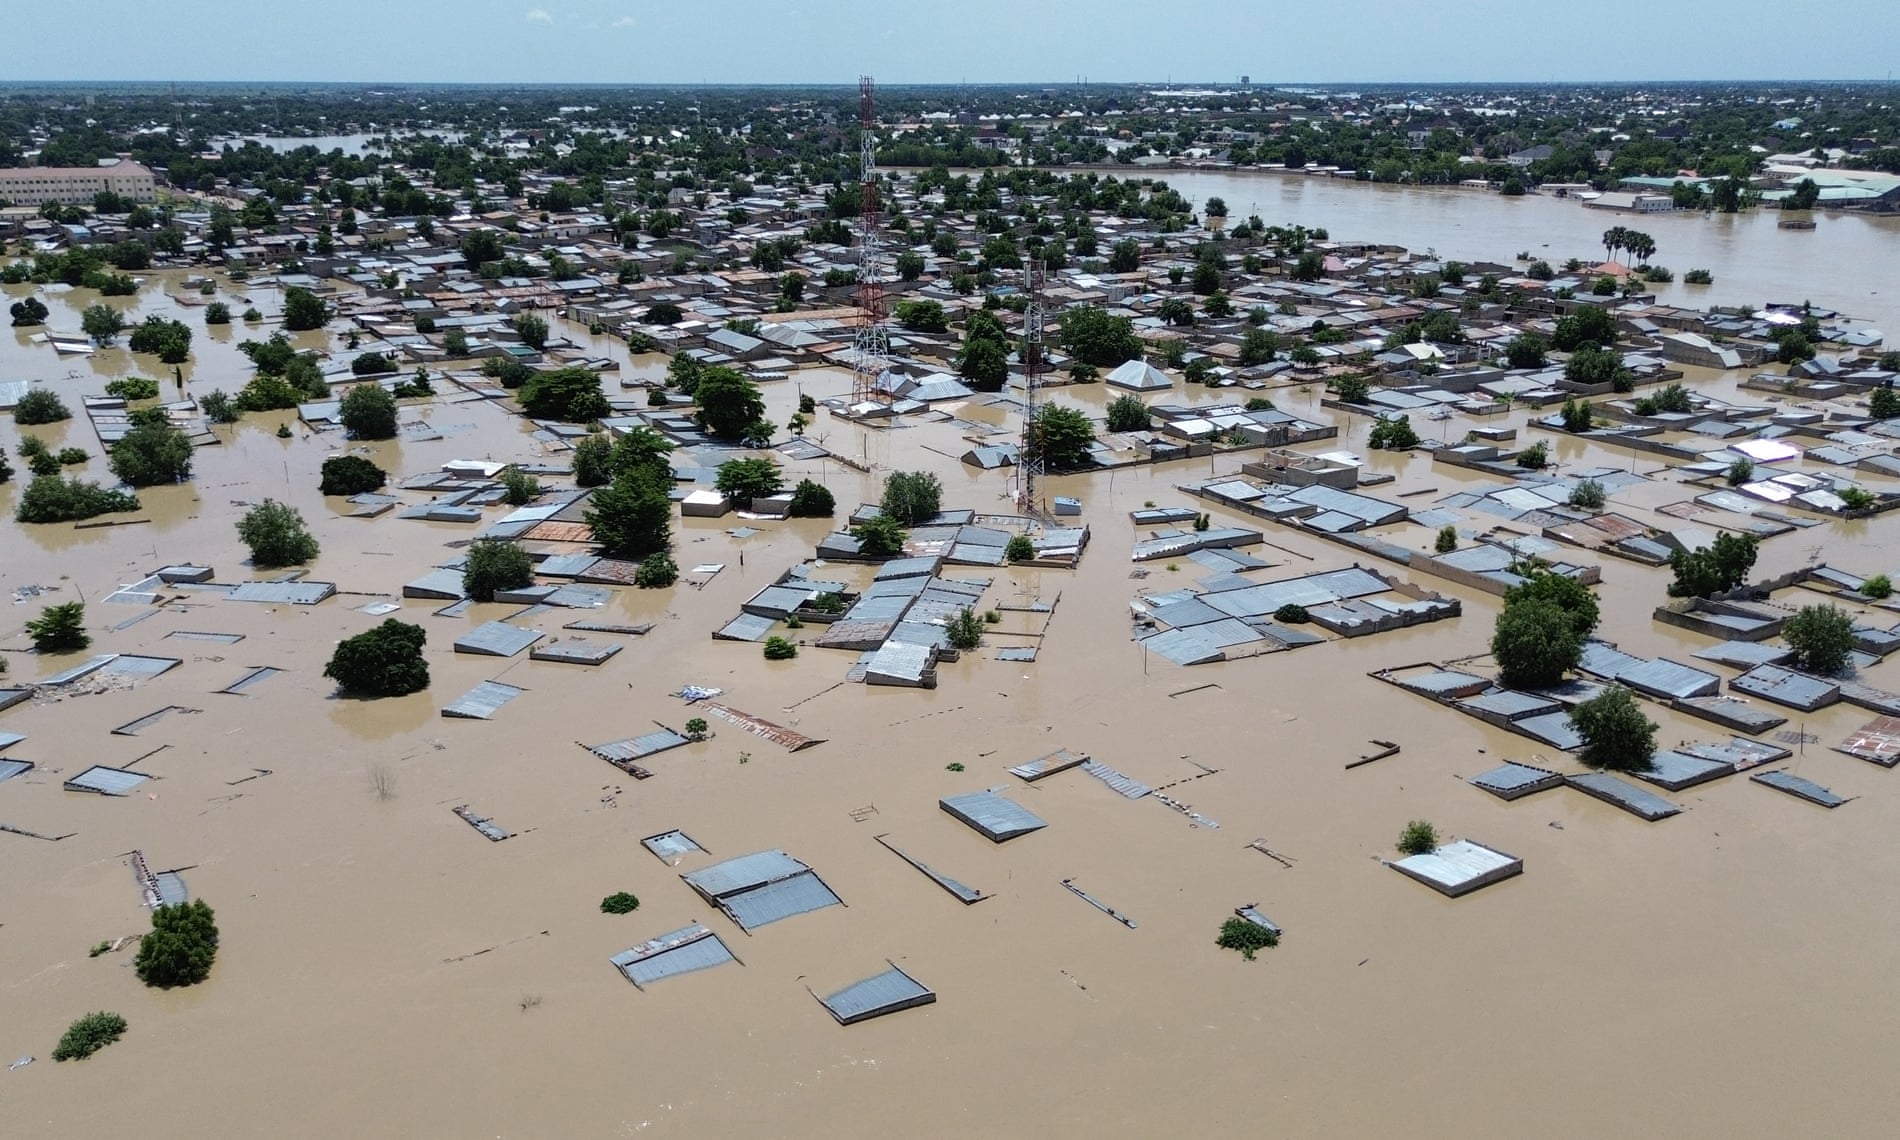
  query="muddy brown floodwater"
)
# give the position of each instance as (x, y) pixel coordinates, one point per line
(385, 972)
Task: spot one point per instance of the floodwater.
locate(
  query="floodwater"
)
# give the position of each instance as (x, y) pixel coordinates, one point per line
(1843, 263)
(384, 971)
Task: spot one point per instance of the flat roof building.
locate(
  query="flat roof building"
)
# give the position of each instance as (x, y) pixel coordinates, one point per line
(76, 185)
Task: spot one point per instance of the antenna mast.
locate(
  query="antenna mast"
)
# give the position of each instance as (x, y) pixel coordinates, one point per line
(1030, 464)
(872, 347)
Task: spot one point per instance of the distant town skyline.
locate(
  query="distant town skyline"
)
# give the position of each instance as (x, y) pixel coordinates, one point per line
(979, 41)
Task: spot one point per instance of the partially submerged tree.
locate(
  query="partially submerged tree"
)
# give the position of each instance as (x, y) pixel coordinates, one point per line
(368, 411)
(40, 406)
(1822, 638)
(495, 564)
(1615, 732)
(880, 537)
(1714, 569)
(746, 480)
(1418, 838)
(88, 1035)
(1246, 936)
(276, 534)
(812, 500)
(1062, 436)
(632, 517)
(1535, 643)
(385, 661)
(180, 947)
(911, 497)
(60, 628)
(153, 452)
(350, 475)
(571, 395)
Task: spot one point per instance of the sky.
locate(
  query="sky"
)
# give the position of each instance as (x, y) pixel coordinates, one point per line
(975, 41)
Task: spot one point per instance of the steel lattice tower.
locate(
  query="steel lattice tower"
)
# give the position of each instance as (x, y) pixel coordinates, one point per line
(1030, 464)
(872, 347)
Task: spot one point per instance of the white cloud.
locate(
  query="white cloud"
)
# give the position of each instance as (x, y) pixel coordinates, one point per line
(625, 22)
(539, 16)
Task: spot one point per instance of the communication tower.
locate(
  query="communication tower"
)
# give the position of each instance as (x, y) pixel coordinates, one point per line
(871, 348)
(1030, 464)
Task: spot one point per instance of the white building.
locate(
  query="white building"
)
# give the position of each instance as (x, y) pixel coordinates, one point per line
(76, 185)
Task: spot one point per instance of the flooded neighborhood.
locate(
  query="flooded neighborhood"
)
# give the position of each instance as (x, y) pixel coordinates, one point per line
(847, 610)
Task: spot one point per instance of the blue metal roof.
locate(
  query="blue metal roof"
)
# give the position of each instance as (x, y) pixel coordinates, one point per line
(482, 701)
(680, 952)
(497, 639)
(876, 996)
(743, 873)
(800, 894)
(998, 819)
(106, 781)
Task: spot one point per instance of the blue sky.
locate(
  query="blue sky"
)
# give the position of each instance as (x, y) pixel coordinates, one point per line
(979, 41)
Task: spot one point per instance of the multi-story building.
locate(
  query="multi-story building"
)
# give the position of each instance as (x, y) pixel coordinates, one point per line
(76, 185)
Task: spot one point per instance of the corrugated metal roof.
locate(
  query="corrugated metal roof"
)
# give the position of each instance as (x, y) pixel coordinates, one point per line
(746, 627)
(888, 992)
(575, 651)
(91, 666)
(1459, 867)
(138, 666)
(283, 593)
(743, 873)
(9, 739)
(483, 701)
(800, 894)
(12, 768)
(1623, 794)
(497, 639)
(671, 846)
(436, 584)
(998, 819)
(637, 746)
(1124, 785)
(680, 952)
(1513, 780)
(171, 889)
(1796, 786)
(901, 663)
(106, 781)
(243, 683)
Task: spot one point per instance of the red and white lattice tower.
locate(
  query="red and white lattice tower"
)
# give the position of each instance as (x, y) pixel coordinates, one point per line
(1030, 465)
(872, 348)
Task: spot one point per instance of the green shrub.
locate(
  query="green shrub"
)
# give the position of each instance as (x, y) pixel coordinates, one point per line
(657, 571)
(1393, 434)
(1292, 614)
(522, 487)
(1857, 498)
(880, 537)
(43, 462)
(1713, 569)
(1535, 457)
(493, 565)
(1576, 415)
(965, 631)
(780, 649)
(1128, 413)
(56, 498)
(1878, 586)
(40, 406)
(60, 628)
(812, 500)
(1447, 540)
(152, 453)
(910, 497)
(1418, 838)
(1698, 277)
(133, 388)
(88, 1035)
(350, 475)
(1247, 937)
(181, 946)
(1535, 642)
(593, 461)
(620, 902)
(1021, 548)
(1587, 494)
(385, 661)
(1741, 471)
(217, 313)
(696, 728)
(276, 534)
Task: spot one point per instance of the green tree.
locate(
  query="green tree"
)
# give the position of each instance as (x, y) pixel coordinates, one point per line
(1125, 257)
(1309, 268)
(180, 947)
(1615, 732)
(1447, 540)
(1127, 413)
(1021, 548)
(571, 395)
(593, 460)
(102, 323)
(276, 535)
(656, 571)
(350, 475)
(1592, 365)
(1418, 838)
(1062, 436)
(169, 340)
(40, 406)
(51, 498)
(964, 631)
(1822, 638)
(482, 246)
(521, 487)
(532, 329)
(1246, 936)
(1562, 591)
(385, 661)
(368, 411)
(620, 902)
(911, 497)
(217, 313)
(729, 404)
(1393, 433)
(1590, 324)
(1535, 643)
(1097, 337)
(746, 480)
(921, 316)
(910, 265)
(643, 448)
(1884, 404)
(1526, 350)
(632, 516)
(880, 536)
(812, 500)
(495, 564)
(780, 648)
(304, 310)
(984, 364)
(371, 363)
(60, 628)
(153, 452)
(27, 313)
(1353, 389)
(1713, 569)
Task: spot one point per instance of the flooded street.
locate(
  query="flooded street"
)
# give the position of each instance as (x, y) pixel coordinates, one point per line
(386, 972)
